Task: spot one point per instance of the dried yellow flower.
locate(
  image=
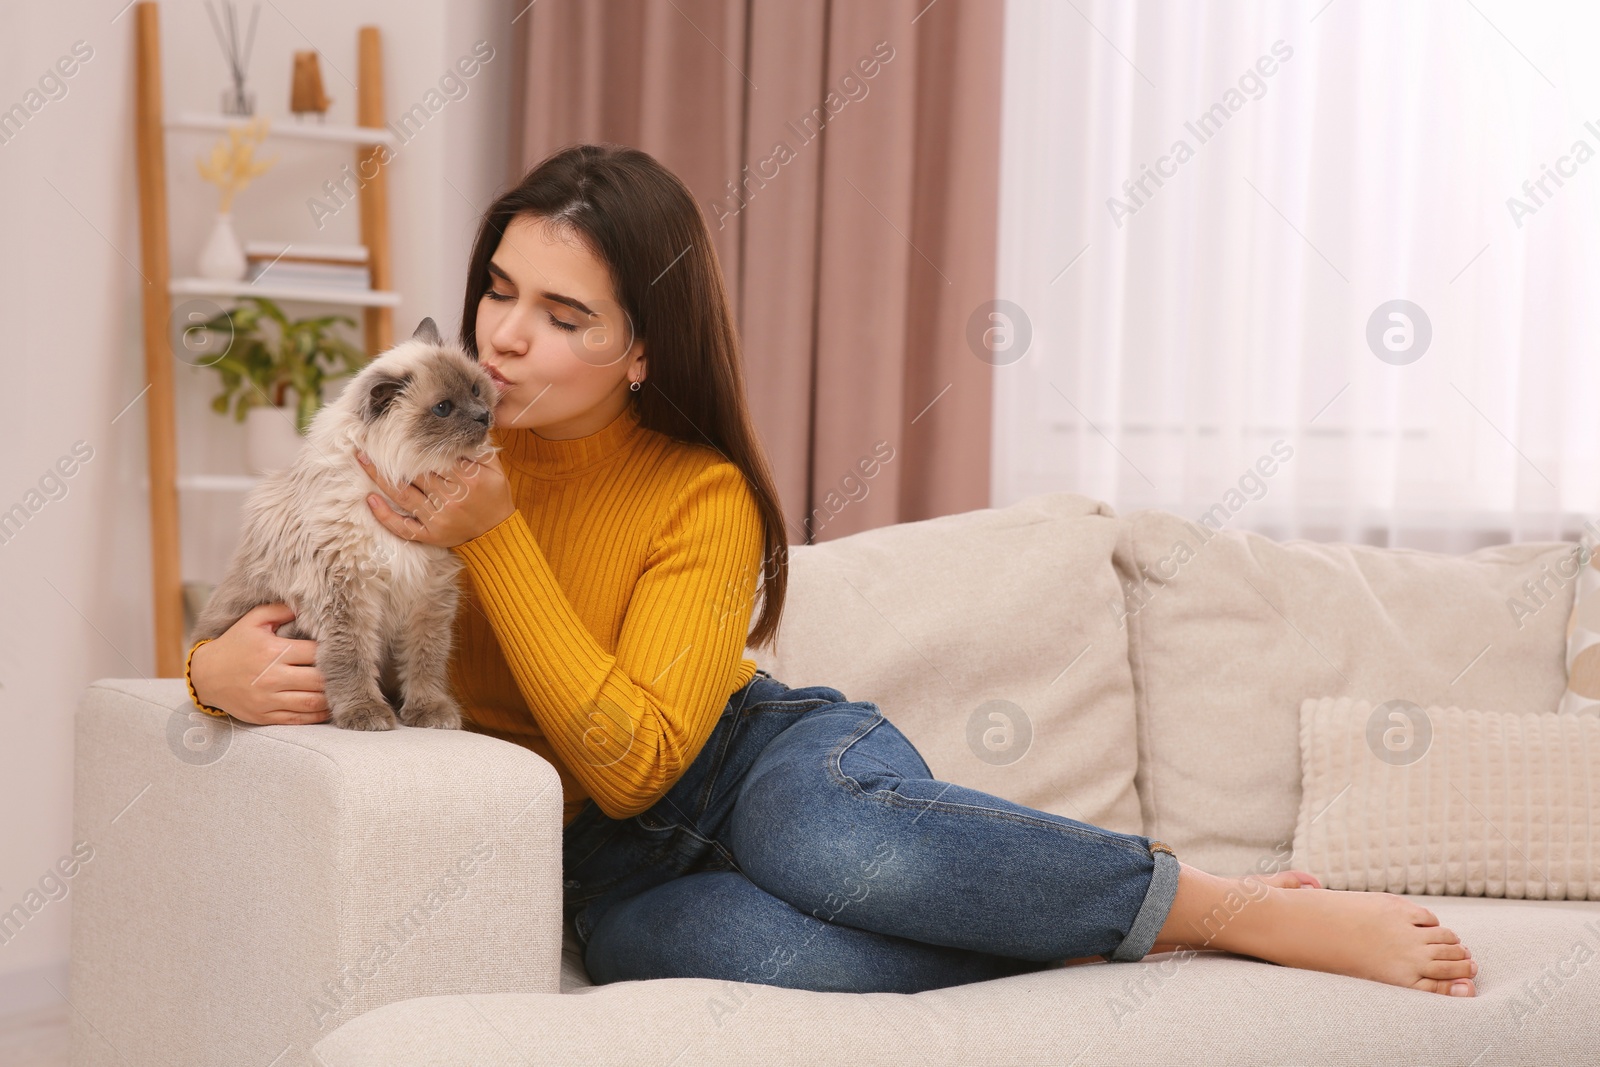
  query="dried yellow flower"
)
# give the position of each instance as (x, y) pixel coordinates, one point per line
(232, 165)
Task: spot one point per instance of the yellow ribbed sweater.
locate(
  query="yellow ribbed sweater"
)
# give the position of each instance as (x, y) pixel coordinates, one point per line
(605, 619)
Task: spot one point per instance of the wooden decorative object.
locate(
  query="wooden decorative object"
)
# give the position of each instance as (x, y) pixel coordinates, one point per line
(306, 94)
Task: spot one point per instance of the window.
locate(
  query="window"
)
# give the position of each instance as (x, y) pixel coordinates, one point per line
(1210, 215)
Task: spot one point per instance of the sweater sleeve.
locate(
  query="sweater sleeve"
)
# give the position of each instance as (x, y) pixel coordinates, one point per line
(627, 725)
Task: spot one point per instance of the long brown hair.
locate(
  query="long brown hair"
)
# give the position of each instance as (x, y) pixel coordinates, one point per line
(644, 224)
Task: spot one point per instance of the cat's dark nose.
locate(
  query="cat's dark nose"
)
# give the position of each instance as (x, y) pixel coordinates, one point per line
(483, 418)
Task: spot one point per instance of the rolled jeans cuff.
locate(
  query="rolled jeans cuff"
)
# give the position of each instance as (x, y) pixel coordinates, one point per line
(1157, 904)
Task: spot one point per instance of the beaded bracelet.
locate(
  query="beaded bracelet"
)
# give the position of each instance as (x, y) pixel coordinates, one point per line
(207, 708)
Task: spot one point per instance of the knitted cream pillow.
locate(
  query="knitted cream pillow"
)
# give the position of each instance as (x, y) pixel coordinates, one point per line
(1402, 799)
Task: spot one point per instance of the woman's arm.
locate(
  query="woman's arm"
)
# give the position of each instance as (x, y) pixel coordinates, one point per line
(627, 725)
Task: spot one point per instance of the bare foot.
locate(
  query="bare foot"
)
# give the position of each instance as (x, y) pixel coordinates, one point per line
(1282, 880)
(1382, 937)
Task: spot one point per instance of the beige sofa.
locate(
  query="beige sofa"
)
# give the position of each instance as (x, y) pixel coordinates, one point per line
(284, 895)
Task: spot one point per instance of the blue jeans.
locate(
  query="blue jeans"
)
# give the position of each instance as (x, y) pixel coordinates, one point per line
(809, 846)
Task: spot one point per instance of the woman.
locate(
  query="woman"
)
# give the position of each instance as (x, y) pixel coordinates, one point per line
(719, 823)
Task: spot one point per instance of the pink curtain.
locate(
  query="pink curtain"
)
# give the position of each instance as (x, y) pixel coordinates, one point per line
(845, 154)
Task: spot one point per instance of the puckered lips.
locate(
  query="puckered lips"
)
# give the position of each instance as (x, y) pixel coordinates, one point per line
(499, 379)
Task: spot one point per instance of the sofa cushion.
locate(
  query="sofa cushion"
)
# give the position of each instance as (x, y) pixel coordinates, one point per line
(983, 636)
(1401, 798)
(1228, 631)
(1537, 986)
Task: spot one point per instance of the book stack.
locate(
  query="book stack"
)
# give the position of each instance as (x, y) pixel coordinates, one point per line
(323, 266)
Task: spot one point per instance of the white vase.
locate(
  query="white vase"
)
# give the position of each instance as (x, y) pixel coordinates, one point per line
(271, 440)
(222, 258)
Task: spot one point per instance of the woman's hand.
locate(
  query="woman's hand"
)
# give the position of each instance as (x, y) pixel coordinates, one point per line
(445, 510)
(258, 677)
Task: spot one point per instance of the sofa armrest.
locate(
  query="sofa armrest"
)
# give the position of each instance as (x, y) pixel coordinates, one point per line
(251, 888)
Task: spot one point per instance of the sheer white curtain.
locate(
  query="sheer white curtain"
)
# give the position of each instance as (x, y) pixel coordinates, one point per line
(1201, 338)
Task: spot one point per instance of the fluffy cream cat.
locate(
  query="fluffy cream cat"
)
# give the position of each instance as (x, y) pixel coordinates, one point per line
(380, 608)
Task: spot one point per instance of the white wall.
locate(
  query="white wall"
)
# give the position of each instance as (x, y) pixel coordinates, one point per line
(75, 580)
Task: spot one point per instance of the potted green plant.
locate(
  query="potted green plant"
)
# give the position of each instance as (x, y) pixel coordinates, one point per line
(266, 356)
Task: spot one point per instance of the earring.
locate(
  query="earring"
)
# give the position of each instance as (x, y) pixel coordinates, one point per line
(634, 387)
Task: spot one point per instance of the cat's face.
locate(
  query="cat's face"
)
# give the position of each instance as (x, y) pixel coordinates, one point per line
(422, 405)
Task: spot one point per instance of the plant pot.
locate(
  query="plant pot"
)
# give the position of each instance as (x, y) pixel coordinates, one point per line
(271, 441)
(222, 258)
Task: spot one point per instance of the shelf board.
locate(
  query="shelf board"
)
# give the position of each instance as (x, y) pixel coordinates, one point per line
(287, 126)
(316, 294)
(219, 483)
(212, 483)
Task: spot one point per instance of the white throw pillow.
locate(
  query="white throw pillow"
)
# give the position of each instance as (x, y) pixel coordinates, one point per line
(1402, 799)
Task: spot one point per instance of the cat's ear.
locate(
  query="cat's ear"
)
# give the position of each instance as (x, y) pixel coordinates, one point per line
(426, 331)
(382, 394)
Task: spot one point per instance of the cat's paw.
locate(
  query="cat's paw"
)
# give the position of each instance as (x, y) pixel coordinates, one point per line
(364, 715)
(436, 714)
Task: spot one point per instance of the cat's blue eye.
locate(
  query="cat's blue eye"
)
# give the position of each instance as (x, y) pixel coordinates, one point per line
(474, 388)
(442, 408)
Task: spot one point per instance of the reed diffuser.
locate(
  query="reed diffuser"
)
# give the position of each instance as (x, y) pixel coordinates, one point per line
(236, 53)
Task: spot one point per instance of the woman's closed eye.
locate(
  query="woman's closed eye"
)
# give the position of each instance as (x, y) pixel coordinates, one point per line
(490, 294)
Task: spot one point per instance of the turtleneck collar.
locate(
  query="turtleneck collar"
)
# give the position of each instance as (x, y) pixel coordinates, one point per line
(545, 456)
